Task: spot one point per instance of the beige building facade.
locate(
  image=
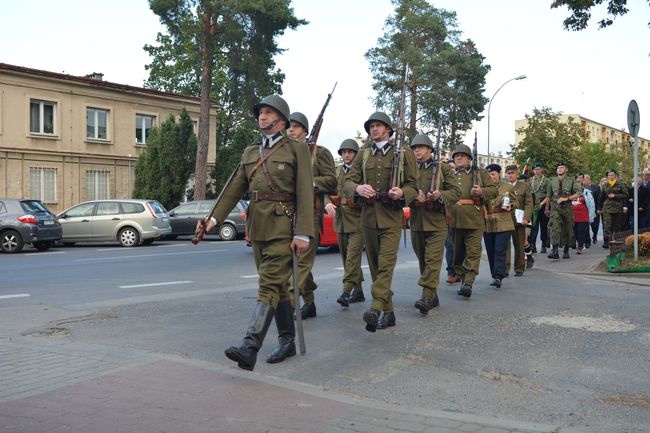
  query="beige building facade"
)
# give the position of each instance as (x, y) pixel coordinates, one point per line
(66, 139)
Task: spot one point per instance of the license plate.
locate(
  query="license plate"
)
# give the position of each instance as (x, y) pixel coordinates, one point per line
(48, 222)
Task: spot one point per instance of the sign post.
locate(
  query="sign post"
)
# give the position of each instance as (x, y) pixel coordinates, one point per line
(633, 121)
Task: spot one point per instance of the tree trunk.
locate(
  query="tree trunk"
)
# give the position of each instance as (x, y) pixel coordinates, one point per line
(207, 60)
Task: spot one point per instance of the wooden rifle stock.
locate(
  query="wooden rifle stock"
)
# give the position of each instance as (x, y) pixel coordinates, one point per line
(475, 173)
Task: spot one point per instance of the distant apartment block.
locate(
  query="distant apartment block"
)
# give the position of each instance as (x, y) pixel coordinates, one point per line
(66, 139)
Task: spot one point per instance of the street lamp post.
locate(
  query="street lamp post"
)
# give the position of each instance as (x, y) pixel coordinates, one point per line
(521, 77)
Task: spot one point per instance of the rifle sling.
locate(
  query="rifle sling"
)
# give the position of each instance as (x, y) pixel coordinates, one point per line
(261, 162)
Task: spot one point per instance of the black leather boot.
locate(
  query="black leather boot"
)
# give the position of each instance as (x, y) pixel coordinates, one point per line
(246, 354)
(566, 253)
(286, 334)
(427, 304)
(386, 320)
(554, 253)
(308, 310)
(356, 296)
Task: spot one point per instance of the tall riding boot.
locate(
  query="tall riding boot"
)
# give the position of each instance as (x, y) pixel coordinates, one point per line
(554, 253)
(286, 334)
(246, 354)
(566, 253)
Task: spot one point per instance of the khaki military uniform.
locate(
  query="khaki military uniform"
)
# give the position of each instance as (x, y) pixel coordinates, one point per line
(539, 186)
(382, 220)
(429, 225)
(269, 227)
(498, 230)
(324, 182)
(522, 198)
(561, 215)
(468, 223)
(347, 224)
(612, 208)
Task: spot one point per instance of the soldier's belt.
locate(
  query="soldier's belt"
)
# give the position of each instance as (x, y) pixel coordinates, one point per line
(350, 203)
(271, 196)
(499, 210)
(336, 200)
(465, 201)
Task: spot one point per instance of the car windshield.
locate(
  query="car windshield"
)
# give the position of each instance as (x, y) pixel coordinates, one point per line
(34, 206)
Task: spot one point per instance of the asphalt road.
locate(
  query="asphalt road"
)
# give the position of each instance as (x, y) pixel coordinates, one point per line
(547, 347)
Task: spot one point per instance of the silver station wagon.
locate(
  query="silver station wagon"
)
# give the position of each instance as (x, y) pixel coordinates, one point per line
(130, 222)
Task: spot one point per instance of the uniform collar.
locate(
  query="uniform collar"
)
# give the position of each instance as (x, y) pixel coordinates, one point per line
(345, 167)
(466, 170)
(270, 140)
(425, 164)
(384, 146)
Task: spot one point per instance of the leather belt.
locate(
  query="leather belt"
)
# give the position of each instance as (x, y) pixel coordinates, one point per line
(271, 196)
(350, 203)
(499, 210)
(465, 201)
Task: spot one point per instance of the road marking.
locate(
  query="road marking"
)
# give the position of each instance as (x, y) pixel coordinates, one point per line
(20, 295)
(250, 276)
(43, 253)
(147, 255)
(166, 283)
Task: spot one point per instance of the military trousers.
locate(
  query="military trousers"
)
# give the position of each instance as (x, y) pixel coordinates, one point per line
(612, 223)
(449, 253)
(467, 253)
(273, 260)
(496, 246)
(381, 252)
(305, 264)
(540, 225)
(560, 225)
(350, 247)
(519, 241)
(429, 249)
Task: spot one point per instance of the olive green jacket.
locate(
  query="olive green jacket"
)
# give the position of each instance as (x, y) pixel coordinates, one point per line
(471, 216)
(324, 177)
(290, 171)
(377, 174)
(346, 219)
(569, 187)
(539, 186)
(522, 198)
(432, 219)
(498, 221)
(616, 204)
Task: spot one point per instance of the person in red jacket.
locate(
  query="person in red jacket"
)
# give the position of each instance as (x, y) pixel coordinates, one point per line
(581, 220)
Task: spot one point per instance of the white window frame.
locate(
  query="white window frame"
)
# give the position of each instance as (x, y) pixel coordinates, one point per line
(95, 194)
(153, 118)
(40, 191)
(41, 116)
(96, 109)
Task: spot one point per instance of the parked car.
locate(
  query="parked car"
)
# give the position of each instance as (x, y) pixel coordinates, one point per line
(130, 222)
(26, 222)
(183, 219)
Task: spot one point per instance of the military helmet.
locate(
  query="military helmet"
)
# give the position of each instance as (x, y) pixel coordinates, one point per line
(275, 102)
(378, 116)
(300, 118)
(349, 144)
(462, 148)
(421, 140)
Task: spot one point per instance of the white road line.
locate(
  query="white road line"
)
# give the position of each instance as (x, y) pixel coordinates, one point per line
(166, 283)
(147, 255)
(250, 276)
(35, 254)
(20, 295)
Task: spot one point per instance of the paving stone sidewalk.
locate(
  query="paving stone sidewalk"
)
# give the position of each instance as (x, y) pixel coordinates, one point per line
(56, 385)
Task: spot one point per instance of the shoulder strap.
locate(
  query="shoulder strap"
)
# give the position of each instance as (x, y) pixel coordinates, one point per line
(263, 158)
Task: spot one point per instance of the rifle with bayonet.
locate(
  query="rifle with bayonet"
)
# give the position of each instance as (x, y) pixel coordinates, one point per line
(476, 178)
(315, 130)
(397, 167)
(437, 173)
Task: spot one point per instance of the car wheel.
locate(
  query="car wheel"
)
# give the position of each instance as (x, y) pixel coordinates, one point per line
(43, 245)
(227, 232)
(148, 241)
(128, 237)
(11, 242)
(171, 237)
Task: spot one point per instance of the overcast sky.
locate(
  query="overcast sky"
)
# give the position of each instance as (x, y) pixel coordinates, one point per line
(594, 73)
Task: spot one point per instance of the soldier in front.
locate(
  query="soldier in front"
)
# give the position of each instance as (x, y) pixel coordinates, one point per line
(559, 194)
(498, 226)
(276, 174)
(383, 178)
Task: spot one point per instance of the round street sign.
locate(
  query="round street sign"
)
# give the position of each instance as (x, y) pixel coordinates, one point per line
(633, 118)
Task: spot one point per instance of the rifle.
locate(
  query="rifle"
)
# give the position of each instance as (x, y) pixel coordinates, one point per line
(296, 292)
(437, 173)
(396, 169)
(475, 171)
(315, 130)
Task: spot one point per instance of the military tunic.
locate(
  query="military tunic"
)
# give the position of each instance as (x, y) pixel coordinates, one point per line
(498, 230)
(539, 186)
(561, 219)
(269, 227)
(468, 223)
(522, 198)
(382, 222)
(612, 208)
(429, 226)
(324, 182)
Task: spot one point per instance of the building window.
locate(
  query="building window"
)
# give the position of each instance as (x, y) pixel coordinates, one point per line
(42, 184)
(42, 115)
(143, 125)
(96, 123)
(97, 182)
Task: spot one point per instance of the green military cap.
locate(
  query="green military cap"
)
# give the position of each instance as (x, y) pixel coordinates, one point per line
(378, 116)
(561, 163)
(512, 167)
(538, 164)
(462, 148)
(421, 140)
(349, 144)
(276, 103)
(297, 116)
(523, 176)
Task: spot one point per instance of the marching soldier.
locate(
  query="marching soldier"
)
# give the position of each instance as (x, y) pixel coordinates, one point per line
(428, 219)
(538, 186)
(467, 217)
(499, 226)
(382, 212)
(613, 198)
(522, 200)
(347, 223)
(324, 175)
(559, 194)
(277, 176)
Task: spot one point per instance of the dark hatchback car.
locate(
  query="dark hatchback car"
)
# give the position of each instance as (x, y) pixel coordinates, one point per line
(183, 219)
(26, 222)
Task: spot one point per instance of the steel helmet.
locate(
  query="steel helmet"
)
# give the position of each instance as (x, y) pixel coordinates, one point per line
(462, 148)
(421, 140)
(277, 103)
(349, 144)
(300, 118)
(378, 116)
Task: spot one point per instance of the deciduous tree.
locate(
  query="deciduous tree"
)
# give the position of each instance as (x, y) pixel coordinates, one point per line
(581, 12)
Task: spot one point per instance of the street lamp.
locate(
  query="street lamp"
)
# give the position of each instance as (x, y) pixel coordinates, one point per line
(521, 77)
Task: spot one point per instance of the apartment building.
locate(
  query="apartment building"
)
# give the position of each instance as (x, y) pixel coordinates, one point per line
(65, 139)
